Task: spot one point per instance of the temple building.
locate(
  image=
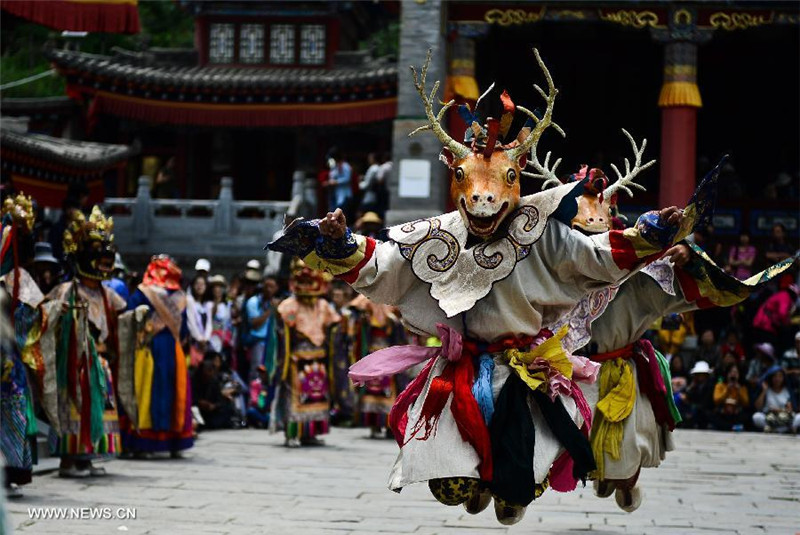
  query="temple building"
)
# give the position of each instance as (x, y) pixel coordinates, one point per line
(271, 87)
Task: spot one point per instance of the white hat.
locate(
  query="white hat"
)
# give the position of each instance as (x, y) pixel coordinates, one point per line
(700, 366)
(202, 265)
(797, 336)
(254, 264)
(767, 349)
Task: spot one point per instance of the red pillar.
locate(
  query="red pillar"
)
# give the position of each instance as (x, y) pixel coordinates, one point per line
(678, 155)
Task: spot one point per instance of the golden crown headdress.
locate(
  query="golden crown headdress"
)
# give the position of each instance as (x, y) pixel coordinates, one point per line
(20, 208)
(98, 227)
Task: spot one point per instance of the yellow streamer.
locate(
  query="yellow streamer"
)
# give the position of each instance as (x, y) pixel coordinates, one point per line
(617, 391)
(143, 385)
(551, 350)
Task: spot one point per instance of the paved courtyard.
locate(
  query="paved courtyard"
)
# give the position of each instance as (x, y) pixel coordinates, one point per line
(242, 482)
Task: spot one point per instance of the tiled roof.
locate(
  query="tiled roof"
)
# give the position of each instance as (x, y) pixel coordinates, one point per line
(125, 71)
(76, 154)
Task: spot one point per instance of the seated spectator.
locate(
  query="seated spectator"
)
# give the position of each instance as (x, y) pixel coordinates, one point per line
(697, 398)
(730, 401)
(707, 350)
(733, 345)
(775, 410)
(721, 369)
(677, 367)
(672, 333)
(258, 413)
(764, 359)
(790, 362)
(215, 404)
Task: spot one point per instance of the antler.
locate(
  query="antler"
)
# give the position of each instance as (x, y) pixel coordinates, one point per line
(547, 119)
(545, 172)
(459, 150)
(623, 182)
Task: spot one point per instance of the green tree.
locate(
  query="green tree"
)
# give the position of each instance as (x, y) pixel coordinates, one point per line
(164, 24)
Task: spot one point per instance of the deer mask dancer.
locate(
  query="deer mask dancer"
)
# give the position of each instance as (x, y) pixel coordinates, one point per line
(485, 173)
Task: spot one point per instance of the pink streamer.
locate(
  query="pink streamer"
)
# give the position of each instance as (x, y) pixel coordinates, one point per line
(561, 479)
(393, 360)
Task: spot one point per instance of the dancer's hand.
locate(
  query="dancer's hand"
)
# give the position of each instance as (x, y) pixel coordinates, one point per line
(334, 224)
(672, 216)
(679, 254)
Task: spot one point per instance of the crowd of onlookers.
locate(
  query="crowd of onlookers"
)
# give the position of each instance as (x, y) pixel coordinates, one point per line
(737, 368)
(340, 186)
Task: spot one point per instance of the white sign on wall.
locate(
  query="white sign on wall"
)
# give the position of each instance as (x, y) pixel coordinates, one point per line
(415, 179)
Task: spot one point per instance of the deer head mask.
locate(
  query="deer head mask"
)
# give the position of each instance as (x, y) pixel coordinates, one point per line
(597, 206)
(485, 173)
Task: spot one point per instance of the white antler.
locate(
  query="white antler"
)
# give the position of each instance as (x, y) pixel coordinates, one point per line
(544, 171)
(623, 182)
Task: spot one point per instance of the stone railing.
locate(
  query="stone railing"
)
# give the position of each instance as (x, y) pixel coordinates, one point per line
(190, 228)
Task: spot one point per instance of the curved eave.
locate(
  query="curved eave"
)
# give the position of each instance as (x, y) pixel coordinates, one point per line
(230, 97)
(61, 155)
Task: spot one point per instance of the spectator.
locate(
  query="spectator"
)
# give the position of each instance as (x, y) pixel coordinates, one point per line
(261, 337)
(778, 247)
(773, 319)
(45, 267)
(697, 397)
(672, 334)
(385, 175)
(732, 345)
(370, 224)
(775, 410)
(764, 359)
(216, 406)
(677, 368)
(197, 320)
(339, 179)
(721, 369)
(790, 362)
(219, 312)
(117, 281)
(741, 257)
(258, 413)
(730, 401)
(165, 186)
(707, 350)
(370, 185)
(202, 268)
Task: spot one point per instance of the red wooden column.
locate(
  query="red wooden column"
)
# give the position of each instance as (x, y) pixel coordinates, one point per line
(679, 101)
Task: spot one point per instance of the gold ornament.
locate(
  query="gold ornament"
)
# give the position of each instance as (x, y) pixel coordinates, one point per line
(20, 208)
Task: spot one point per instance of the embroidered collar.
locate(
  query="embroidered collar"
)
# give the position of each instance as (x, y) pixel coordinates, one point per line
(441, 254)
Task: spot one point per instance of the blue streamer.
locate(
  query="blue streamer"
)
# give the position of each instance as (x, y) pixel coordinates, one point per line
(482, 387)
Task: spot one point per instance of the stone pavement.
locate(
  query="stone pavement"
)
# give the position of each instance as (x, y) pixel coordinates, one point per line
(242, 482)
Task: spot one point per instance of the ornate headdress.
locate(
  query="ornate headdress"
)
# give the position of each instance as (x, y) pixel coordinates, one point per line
(162, 271)
(307, 282)
(16, 244)
(90, 244)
